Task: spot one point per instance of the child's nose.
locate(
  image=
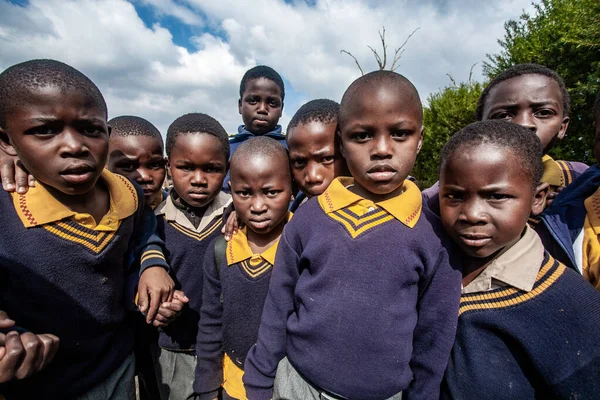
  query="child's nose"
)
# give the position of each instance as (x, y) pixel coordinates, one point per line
(527, 120)
(72, 143)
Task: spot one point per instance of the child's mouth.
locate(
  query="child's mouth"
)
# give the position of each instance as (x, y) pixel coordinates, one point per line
(78, 174)
(473, 240)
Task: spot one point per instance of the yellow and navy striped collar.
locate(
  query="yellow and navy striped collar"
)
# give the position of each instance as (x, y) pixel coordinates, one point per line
(173, 214)
(405, 207)
(38, 207)
(239, 250)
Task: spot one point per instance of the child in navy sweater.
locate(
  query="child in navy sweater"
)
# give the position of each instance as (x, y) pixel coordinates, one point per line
(363, 298)
(188, 220)
(66, 245)
(528, 326)
(235, 289)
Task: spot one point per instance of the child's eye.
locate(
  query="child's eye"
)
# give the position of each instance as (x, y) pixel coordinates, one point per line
(298, 163)
(272, 193)
(544, 113)
(361, 136)
(43, 130)
(156, 165)
(126, 167)
(92, 131)
(327, 159)
(185, 168)
(243, 193)
(400, 134)
(499, 196)
(501, 115)
(453, 196)
(274, 103)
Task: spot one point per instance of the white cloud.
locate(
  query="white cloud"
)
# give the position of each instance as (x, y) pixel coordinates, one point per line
(141, 71)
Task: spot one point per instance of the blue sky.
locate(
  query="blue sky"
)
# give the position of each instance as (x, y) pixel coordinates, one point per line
(160, 59)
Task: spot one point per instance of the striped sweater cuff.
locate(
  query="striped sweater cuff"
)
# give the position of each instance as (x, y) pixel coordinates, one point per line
(153, 257)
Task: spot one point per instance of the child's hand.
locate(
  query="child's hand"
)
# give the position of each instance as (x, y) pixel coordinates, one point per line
(169, 311)
(11, 171)
(231, 226)
(155, 287)
(22, 355)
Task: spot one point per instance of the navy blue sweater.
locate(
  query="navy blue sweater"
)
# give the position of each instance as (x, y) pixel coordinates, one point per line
(68, 280)
(185, 250)
(541, 344)
(363, 306)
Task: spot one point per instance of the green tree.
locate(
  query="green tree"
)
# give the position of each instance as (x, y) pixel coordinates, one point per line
(448, 111)
(563, 35)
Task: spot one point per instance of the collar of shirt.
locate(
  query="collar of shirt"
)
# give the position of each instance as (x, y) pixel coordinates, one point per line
(174, 214)
(517, 266)
(39, 207)
(553, 174)
(239, 250)
(405, 207)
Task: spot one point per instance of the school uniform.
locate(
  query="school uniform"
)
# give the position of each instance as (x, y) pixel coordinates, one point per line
(241, 136)
(232, 305)
(526, 329)
(187, 237)
(362, 300)
(63, 273)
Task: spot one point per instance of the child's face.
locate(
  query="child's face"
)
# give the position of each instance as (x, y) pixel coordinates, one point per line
(532, 101)
(261, 192)
(61, 137)
(261, 106)
(380, 138)
(314, 159)
(486, 199)
(198, 167)
(140, 158)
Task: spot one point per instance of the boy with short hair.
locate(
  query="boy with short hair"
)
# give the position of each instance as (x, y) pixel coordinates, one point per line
(235, 288)
(570, 227)
(261, 103)
(517, 301)
(314, 151)
(67, 244)
(362, 301)
(188, 220)
(136, 151)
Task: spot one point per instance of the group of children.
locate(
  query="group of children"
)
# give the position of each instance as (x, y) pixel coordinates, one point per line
(372, 289)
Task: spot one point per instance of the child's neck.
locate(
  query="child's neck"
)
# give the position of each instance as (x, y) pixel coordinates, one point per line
(260, 242)
(96, 202)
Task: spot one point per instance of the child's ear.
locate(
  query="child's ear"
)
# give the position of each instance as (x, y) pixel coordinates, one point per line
(109, 130)
(420, 139)
(539, 198)
(338, 135)
(240, 106)
(229, 184)
(5, 145)
(563, 128)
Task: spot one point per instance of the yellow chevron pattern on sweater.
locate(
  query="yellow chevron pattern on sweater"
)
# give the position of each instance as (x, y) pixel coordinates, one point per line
(509, 296)
(357, 224)
(197, 235)
(255, 267)
(95, 241)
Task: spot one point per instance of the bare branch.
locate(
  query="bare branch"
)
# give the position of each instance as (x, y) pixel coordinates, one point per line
(355, 60)
(377, 58)
(382, 37)
(398, 52)
(452, 80)
(471, 71)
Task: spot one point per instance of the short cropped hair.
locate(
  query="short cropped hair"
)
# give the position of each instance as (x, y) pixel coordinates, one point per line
(20, 79)
(520, 70)
(130, 125)
(260, 146)
(377, 78)
(197, 123)
(320, 110)
(262, 71)
(518, 139)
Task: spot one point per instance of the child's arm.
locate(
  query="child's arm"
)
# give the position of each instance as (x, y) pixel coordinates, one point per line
(23, 354)
(433, 337)
(261, 362)
(209, 342)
